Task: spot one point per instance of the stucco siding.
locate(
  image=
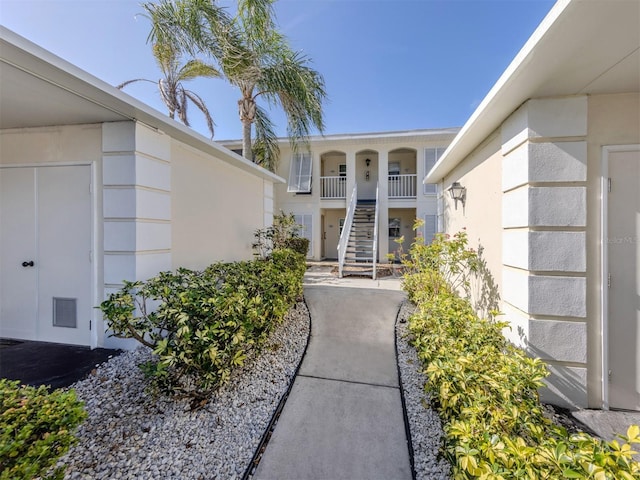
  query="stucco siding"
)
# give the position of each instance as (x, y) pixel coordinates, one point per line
(481, 215)
(60, 144)
(215, 209)
(613, 120)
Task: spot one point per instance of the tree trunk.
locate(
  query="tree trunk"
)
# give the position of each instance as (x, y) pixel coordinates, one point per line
(246, 140)
(247, 112)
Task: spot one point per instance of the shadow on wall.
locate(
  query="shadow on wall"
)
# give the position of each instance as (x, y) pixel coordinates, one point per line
(565, 387)
(485, 296)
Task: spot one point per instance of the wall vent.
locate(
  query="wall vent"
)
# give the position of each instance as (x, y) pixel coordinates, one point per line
(65, 312)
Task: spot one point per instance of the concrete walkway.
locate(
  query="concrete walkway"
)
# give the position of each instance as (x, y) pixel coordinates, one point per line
(343, 418)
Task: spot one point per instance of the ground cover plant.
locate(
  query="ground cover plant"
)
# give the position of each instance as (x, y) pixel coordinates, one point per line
(486, 389)
(36, 428)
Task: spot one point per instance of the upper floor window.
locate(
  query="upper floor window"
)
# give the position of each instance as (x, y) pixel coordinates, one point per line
(300, 173)
(431, 156)
(342, 169)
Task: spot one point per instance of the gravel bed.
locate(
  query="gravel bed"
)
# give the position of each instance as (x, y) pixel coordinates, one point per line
(131, 435)
(424, 423)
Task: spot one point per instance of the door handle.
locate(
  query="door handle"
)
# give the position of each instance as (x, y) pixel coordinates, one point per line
(28, 264)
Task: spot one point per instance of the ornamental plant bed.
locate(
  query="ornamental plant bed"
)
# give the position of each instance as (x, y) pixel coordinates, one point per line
(486, 389)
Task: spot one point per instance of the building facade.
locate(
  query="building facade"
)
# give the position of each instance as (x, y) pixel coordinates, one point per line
(97, 188)
(388, 166)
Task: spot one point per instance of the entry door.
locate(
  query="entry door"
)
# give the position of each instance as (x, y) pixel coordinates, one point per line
(45, 247)
(623, 248)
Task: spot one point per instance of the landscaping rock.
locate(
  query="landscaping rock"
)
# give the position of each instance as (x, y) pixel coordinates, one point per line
(131, 434)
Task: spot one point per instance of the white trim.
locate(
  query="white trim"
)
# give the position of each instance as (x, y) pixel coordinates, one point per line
(97, 291)
(604, 312)
(45, 164)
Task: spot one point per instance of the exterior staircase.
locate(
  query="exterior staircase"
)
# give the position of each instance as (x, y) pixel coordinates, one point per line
(360, 249)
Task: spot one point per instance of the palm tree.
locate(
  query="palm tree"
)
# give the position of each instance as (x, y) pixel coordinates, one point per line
(254, 57)
(172, 92)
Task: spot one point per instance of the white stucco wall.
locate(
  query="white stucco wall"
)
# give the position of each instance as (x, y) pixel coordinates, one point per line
(613, 120)
(215, 209)
(546, 163)
(481, 215)
(66, 145)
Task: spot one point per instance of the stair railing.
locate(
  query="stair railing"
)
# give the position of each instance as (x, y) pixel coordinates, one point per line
(375, 233)
(346, 229)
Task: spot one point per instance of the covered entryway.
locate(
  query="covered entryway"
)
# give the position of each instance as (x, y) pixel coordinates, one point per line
(366, 174)
(45, 253)
(622, 268)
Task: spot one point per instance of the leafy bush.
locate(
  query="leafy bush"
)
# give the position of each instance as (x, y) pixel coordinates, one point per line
(202, 324)
(283, 233)
(36, 428)
(486, 390)
(298, 244)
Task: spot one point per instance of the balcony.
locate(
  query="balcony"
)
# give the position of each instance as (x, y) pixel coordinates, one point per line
(333, 187)
(402, 186)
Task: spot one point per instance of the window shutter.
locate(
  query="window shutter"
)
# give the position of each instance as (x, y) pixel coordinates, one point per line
(431, 156)
(300, 174)
(430, 228)
(305, 220)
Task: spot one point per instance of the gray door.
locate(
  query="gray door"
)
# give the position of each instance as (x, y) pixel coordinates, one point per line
(623, 248)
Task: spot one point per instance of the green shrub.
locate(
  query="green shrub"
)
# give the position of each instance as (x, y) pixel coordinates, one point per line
(36, 428)
(202, 324)
(298, 244)
(278, 236)
(486, 390)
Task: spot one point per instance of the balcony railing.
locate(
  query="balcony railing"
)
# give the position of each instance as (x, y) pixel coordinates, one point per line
(333, 187)
(402, 186)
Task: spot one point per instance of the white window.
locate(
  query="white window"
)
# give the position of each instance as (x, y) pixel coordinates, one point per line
(342, 169)
(430, 228)
(431, 156)
(300, 173)
(341, 226)
(305, 220)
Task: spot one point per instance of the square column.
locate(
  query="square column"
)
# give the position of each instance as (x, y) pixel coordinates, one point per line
(544, 173)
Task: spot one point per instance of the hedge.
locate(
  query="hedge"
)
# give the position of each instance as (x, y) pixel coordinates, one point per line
(486, 389)
(36, 428)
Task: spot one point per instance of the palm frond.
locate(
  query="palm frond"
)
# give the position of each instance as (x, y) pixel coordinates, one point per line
(182, 104)
(194, 26)
(198, 102)
(299, 90)
(124, 84)
(265, 145)
(197, 68)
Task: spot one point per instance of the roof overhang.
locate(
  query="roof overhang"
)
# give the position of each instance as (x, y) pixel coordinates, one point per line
(39, 89)
(582, 47)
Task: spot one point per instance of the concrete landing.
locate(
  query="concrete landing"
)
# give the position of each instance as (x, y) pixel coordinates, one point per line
(343, 418)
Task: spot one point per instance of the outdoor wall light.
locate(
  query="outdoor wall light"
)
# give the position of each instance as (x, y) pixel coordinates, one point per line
(457, 192)
(368, 161)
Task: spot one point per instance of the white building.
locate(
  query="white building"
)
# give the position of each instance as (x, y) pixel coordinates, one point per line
(97, 188)
(388, 166)
(551, 165)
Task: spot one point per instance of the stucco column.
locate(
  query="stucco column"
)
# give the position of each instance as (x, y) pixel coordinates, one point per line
(351, 174)
(136, 203)
(544, 173)
(383, 206)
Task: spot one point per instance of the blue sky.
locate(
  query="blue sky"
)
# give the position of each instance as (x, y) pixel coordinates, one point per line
(388, 64)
